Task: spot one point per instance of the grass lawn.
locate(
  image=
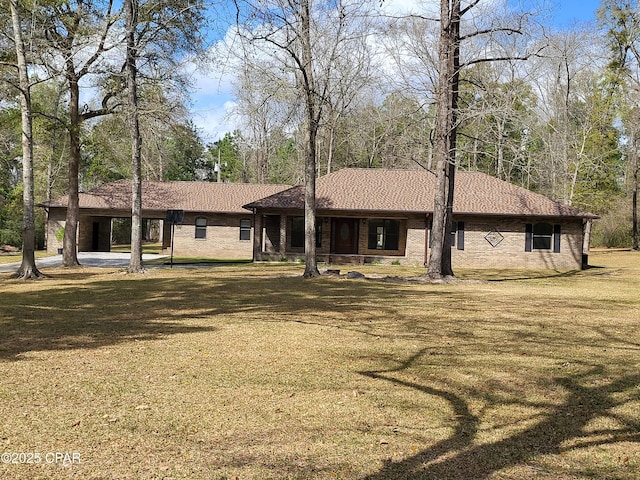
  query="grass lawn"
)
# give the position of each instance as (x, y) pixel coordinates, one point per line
(250, 372)
(17, 257)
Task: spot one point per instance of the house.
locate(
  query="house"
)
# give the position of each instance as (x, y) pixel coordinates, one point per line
(381, 215)
(363, 216)
(213, 223)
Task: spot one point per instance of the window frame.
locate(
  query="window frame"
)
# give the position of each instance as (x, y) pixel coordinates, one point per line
(542, 236)
(201, 230)
(245, 231)
(383, 234)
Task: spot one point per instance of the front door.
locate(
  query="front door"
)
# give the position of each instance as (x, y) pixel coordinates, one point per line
(345, 235)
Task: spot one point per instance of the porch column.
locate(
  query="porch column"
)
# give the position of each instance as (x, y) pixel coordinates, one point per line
(283, 235)
(586, 241)
(427, 237)
(258, 222)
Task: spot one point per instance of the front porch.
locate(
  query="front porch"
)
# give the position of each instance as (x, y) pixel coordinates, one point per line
(351, 240)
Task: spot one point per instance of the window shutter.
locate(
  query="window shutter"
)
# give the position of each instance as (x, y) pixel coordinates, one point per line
(528, 237)
(460, 235)
(556, 239)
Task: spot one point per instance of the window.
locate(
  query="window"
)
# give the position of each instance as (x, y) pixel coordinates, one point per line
(542, 236)
(201, 227)
(245, 229)
(297, 232)
(384, 234)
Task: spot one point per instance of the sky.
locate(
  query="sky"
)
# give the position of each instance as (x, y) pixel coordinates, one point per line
(571, 11)
(213, 101)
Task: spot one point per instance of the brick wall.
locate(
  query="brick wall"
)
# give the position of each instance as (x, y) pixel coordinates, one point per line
(510, 251)
(222, 238)
(223, 241)
(55, 223)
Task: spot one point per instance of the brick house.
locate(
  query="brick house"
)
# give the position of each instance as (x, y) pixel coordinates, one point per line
(214, 223)
(363, 216)
(367, 215)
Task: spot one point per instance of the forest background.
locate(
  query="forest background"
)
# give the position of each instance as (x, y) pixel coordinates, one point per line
(561, 120)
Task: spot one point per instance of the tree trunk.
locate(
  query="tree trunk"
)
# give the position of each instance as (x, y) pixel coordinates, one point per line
(634, 202)
(135, 262)
(28, 268)
(445, 139)
(311, 266)
(70, 249)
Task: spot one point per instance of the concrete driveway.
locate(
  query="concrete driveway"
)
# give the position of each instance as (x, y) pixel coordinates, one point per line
(89, 259)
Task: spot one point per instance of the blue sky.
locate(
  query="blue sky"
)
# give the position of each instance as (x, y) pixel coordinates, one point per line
(572, 11)
(212, 100)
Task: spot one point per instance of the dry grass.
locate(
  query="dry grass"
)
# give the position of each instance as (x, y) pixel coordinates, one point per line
(249, 372)
(17, 257)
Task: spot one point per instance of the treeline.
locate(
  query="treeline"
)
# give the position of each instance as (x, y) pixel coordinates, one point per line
(561, 121)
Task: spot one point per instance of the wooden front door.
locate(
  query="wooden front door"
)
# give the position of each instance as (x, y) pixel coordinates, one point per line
(345, 235)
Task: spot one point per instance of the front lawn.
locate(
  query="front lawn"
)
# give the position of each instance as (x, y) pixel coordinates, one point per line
(250, 372)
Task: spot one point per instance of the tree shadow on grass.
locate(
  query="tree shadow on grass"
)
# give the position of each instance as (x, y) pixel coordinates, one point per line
(73, 314)
(89, 315)
(458, 457)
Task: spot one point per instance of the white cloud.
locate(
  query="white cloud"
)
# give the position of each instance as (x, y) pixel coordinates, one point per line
(215, 118)
(213, 96)
(408, 7)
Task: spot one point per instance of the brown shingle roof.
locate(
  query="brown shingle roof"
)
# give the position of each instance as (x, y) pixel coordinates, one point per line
(188, 196)
(385, 190)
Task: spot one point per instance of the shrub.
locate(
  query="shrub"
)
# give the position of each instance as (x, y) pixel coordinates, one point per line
(10, 237)
(613, 229)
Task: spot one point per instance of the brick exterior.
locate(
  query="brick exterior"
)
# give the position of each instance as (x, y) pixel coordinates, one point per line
(510, 252)
(222, 238)
(55, 223)
(478, 252)
(484, 204)
(222, 235)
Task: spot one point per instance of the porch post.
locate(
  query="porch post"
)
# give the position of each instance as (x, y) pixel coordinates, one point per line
(427, 233)
(283, 235)
(257, 236)
(586, 240)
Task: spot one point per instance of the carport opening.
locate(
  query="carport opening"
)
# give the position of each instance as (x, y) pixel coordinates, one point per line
(121, 233)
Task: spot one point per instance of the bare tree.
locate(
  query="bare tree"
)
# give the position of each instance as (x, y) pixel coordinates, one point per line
(264, 102)
(445, 137)
(28, 268)
(621, 21)
(305, 53)
(131, 19)
(79, 34)
(489, 28)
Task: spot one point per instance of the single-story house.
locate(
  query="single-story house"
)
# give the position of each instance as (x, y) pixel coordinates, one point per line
(369, 215)
(363, 216)
(212, 223)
